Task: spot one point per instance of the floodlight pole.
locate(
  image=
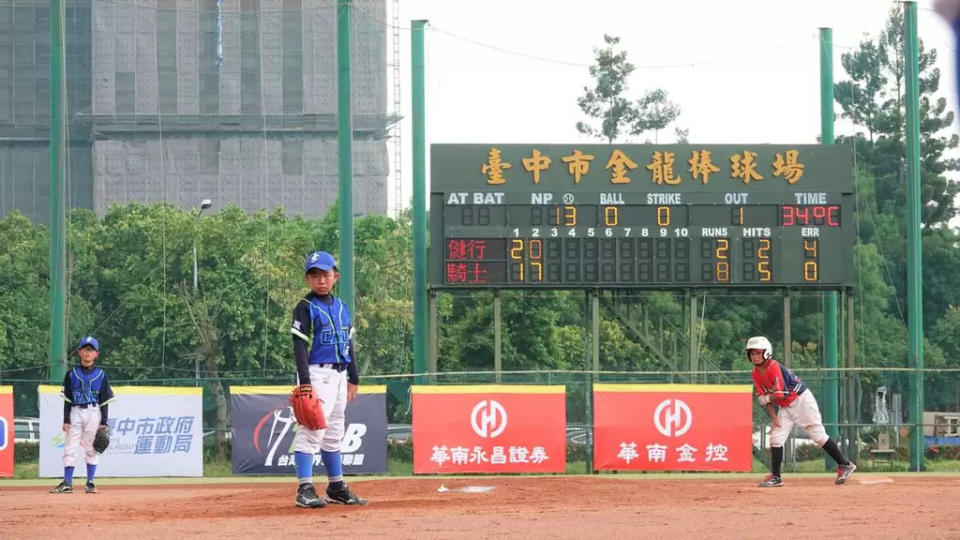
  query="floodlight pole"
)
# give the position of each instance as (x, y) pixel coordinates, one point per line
(204, 204)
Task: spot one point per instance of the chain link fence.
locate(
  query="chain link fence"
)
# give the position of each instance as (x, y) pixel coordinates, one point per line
(872, 411)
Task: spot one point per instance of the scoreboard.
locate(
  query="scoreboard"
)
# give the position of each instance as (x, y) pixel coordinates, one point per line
(636, 216)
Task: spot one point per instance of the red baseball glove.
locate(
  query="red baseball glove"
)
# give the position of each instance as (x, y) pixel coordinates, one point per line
(306, 407)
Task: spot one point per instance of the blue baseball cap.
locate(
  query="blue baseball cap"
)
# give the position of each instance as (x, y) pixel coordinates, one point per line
(89, 340)
(321, 260)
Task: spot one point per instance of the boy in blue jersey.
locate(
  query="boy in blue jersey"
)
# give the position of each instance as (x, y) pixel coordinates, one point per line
(86, 393)
(324, 353)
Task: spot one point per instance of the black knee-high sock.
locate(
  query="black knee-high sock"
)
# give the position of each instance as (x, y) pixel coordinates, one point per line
(831, 448)
(776, 459)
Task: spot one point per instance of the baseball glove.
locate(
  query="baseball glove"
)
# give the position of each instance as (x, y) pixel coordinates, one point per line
(306, 407)
(101, 440)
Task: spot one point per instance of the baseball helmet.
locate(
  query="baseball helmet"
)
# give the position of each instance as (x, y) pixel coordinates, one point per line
(760, 343)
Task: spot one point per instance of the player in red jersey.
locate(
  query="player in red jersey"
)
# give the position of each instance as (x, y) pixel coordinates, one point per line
(777, 385)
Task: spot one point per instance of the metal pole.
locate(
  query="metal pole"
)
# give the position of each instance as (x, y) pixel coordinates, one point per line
(419, 199)
(497, 343)
(692, 349)
(830, 390)
(914, 241)
(787, 330)
(195, 288)
(345, 153)
(196, 359)
(58, 243)
(434, 338)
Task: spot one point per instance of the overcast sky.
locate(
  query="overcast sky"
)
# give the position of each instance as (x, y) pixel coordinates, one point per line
(742, 71)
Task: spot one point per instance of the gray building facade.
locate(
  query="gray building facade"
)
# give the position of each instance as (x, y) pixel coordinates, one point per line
(180, 100)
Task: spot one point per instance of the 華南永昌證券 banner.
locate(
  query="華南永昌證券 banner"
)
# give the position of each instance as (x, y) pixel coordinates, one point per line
(672, 427)
(155, 431)
(489, 429)
(263, 426)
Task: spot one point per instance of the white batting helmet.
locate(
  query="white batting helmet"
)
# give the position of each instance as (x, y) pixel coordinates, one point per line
(760, 343)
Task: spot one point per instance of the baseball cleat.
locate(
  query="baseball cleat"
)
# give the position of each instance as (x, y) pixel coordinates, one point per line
(771, 481)
(844, 472)
(90, 488)
(62, 487)
(307, 497)
(344, 496)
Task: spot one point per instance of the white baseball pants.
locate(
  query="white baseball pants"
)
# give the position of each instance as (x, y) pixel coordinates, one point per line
(83, 428)
(330, 386)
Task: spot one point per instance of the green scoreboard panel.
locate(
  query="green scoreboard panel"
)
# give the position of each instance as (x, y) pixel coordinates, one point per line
(635, 216)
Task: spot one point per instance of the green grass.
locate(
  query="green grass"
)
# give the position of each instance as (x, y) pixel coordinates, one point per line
(26, 471)
(220, 469)
(399, 467)
(943, 466)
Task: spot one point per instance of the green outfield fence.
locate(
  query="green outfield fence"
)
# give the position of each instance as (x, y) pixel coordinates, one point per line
(873, 410)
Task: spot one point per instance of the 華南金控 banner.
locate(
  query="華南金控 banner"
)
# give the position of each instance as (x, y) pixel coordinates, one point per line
(672, 427)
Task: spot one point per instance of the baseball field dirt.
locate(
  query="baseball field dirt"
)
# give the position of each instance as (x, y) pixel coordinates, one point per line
(869, 506)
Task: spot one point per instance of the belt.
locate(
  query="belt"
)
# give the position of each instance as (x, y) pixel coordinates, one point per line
(342, 366)
(86, 405)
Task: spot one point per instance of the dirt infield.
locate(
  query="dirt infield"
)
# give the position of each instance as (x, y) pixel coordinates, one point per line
(869, 506)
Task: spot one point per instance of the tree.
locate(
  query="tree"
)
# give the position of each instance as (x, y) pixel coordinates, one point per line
(606, 101)
(24, 301)
(874, 99)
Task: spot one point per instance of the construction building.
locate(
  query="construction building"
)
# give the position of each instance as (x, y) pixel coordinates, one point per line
(182, 100)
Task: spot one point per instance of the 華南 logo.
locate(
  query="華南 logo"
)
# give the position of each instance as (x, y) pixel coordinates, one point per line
(672, 417)
(488, 419)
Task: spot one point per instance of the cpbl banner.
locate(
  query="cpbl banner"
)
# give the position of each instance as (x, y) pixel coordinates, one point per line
(156, 431)
(489, 429)
(672, 427)
(263, 426)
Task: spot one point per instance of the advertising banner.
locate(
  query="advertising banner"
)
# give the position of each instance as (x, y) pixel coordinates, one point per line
(489, 429)
(263, 426)
(6, 431)
(672, 427)
(155, 431)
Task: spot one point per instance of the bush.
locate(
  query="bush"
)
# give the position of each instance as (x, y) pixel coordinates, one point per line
(576, 452)
(942, 451)
(401, 451)
(215, 452)
(26, 452)
(808, 452)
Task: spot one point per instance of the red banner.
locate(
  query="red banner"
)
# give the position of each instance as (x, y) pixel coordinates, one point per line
(6, 431)
(489, 429)
(672, 427)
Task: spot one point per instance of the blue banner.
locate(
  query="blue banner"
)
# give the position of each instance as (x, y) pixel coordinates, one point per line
(263, 426)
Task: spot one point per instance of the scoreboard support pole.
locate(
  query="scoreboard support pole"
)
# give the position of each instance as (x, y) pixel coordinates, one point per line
(853, 437)
(497, 336)
(694, 335)
(787, 334)
(595, 332)
(432, 330)
(592, 299)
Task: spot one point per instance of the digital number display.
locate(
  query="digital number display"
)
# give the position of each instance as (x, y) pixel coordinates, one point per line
(786, 222)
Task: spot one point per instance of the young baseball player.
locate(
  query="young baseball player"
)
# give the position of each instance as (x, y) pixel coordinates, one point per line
(86, 393)
(777, 385)
(324, 353)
